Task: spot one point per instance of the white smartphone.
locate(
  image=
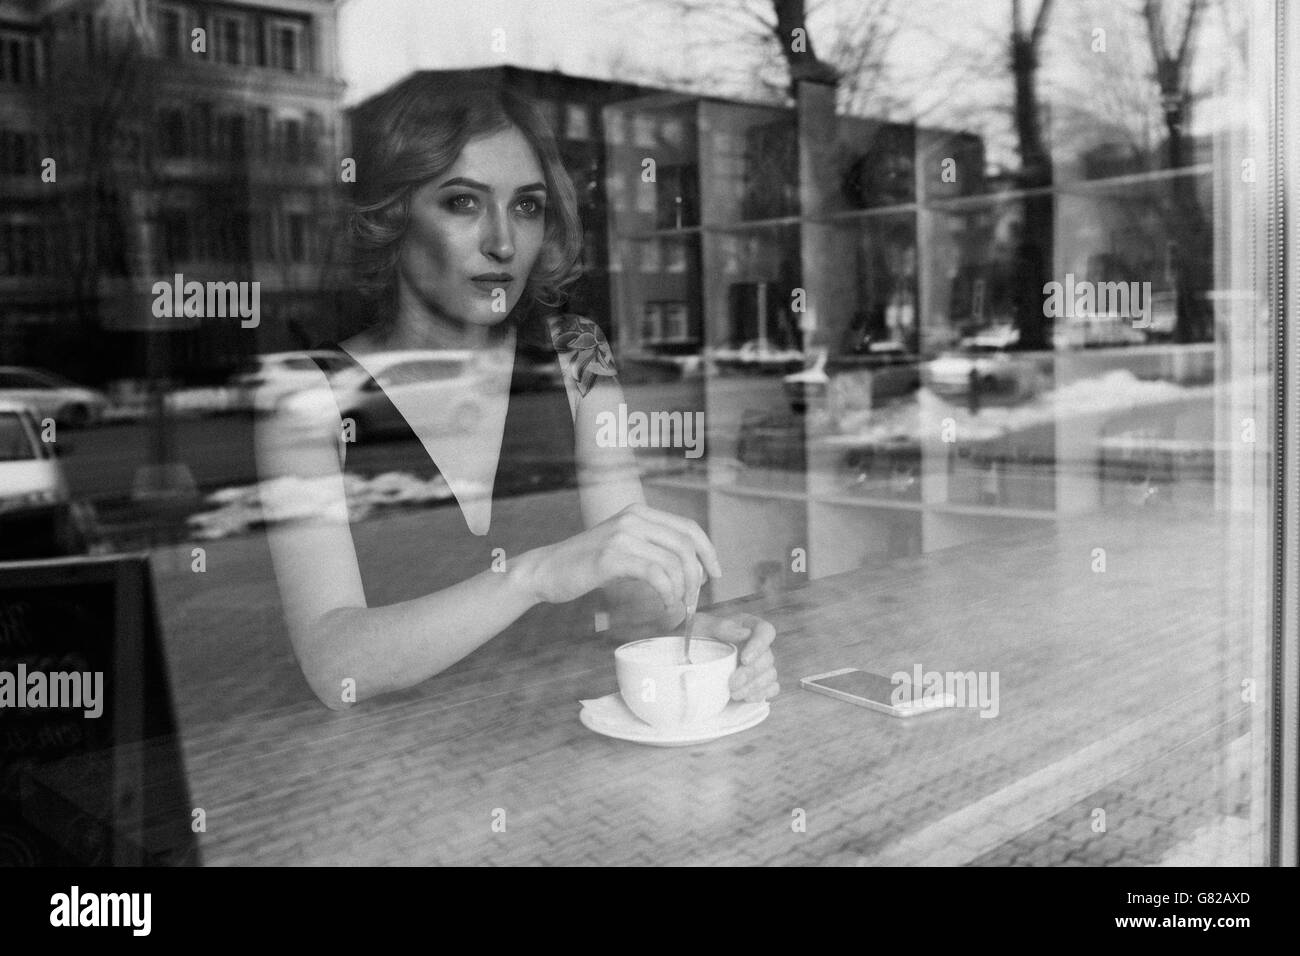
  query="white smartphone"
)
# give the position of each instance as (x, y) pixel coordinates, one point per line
(874, 691)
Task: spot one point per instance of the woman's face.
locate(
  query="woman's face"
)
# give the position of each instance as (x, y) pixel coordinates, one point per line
(476, 231)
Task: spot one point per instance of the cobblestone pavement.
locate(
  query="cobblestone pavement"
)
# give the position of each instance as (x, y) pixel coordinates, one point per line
(1191, 808)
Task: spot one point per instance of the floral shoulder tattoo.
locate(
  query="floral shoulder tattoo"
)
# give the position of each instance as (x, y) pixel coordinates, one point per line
(584, 352)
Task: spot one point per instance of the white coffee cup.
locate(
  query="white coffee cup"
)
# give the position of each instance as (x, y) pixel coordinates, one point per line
(664, 691)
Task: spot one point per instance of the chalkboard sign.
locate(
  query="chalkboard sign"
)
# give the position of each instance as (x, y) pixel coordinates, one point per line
(90, 765)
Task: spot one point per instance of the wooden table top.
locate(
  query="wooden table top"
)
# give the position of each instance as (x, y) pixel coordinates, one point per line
(1099, 673)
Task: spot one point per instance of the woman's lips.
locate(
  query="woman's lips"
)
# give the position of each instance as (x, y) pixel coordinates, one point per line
(490, 285)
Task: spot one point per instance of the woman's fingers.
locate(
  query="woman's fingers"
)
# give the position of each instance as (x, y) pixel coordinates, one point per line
(703, 546)
(681, 545)
(746, 680)
(764, 663)
(721, 628)
(757, 691)
(761, 636)
(633, 557)
(755, 677)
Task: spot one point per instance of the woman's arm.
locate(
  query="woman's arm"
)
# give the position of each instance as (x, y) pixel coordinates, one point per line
(334, 634)
(336, 637)
(608, 482)
(608, 477)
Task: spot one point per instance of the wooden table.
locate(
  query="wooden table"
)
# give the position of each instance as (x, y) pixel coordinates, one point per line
(1102, 676)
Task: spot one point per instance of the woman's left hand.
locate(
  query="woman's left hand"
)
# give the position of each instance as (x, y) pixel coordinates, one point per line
(755, 676)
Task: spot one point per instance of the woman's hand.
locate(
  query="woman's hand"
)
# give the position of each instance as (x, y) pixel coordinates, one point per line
(755, 677)
(668, 552)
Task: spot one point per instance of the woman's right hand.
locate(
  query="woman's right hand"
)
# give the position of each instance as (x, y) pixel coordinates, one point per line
(666, 551)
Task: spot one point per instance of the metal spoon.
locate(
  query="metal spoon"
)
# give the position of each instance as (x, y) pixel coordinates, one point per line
(687, 629)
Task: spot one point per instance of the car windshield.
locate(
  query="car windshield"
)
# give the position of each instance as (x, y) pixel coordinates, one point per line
(297, 363)
(420, 372)
(15, 442)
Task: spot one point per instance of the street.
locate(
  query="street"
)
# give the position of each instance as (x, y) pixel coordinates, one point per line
(101, 463)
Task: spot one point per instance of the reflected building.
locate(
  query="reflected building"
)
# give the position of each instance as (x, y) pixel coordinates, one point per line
(187, 138)
(656, 171)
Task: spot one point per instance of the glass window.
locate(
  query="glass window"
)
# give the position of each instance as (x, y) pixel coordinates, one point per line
(942, 352)
(175, 224)
(297, 236)
(232, 136)
(286, 46)
(291, 145)
(643, 132)
(171, 38)
(230, 36)
(577, 121)
(982, 349)
(17, 58)
(315, 136)
(15, 442)
(171, 133)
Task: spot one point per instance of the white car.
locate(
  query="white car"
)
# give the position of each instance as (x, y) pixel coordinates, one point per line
(52, 396)
(37, 519)
(1098, 330)
(983, 361)
(440, 386)
(266, 379)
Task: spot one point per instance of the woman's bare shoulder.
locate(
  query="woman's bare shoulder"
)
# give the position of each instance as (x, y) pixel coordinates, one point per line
(302, 424)
(583, 349)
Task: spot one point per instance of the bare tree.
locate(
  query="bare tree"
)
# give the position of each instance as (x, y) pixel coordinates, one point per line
(771, 49)
(1026, 45)
(1108, 97)
(98, 106)
(801, 60)
(1173, 72)
(1190, 245)
(1034, 254)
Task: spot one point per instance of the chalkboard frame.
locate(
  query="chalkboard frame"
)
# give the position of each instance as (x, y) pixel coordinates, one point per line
(139, 679)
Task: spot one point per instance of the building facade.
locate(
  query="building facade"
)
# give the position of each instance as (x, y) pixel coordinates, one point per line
(143, 140)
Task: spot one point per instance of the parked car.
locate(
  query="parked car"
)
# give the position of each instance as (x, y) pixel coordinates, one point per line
(37, 516)
(892, 372)
(266, 379)
(1100, 330)
(982, 362)
(52, 396)
(441, 384)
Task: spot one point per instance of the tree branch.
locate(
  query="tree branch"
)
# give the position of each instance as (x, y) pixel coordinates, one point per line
(1040, 23)
(1155, 29)
(1193, 11)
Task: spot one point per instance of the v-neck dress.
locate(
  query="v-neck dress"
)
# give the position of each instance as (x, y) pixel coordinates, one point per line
(537, 446)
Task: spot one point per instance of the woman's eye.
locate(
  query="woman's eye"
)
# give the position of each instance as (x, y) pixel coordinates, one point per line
(531, 207)
(455, 202)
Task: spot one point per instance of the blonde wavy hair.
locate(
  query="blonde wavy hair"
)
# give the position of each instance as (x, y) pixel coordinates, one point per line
(414, 134)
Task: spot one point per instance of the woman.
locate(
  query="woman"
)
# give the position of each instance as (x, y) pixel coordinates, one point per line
(467, 234)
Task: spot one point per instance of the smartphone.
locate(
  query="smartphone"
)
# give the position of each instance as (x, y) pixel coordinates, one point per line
(875, 691)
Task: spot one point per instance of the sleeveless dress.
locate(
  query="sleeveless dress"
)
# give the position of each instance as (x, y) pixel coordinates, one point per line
(538, 441)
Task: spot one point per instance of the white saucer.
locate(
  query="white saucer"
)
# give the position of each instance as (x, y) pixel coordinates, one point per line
(609, 716)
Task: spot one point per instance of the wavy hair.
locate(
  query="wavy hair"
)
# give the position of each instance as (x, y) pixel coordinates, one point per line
(414, 134)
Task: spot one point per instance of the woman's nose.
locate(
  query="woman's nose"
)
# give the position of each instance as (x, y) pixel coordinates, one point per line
(499, 240)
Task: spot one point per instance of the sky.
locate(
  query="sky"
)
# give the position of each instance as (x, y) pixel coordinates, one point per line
(947, 63)
(383, 40)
